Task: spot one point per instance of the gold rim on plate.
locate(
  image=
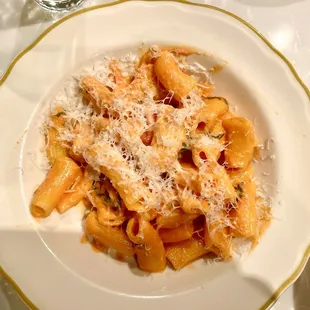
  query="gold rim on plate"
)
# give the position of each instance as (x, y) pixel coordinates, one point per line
(290, 280)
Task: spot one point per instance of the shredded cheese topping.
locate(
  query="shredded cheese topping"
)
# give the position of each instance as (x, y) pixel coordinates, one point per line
(123, 121)
(145, 163)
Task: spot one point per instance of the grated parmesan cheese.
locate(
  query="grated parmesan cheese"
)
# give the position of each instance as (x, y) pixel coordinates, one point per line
(119, 146)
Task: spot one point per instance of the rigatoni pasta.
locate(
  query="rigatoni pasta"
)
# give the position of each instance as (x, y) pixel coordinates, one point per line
(173, 79)
(148, 245)
(54, 148)
(163, 166)
(177, 234)
(182, 253)
(241, 142)
(60, 178)
(109, 236)
(78, 191)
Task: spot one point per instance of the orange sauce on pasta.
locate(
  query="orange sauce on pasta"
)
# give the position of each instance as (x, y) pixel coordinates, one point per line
(98, 247)
(257, 153)
(120, 257)
(263, 223)
(182, 50)
(198, 241)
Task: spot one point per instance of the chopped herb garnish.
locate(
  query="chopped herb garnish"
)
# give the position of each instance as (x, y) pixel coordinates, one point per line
(107, 200)
(184, 148)
(116, 205)
(219, 98)
(239, 190)
(219, 136)
(94, 185)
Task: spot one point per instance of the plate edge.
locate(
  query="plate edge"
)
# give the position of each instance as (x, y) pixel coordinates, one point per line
(19, 292)
(293, 277)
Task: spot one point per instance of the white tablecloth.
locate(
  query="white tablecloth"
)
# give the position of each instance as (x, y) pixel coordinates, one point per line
(286, 23)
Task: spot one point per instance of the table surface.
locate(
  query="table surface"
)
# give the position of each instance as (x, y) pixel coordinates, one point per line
(285, 23)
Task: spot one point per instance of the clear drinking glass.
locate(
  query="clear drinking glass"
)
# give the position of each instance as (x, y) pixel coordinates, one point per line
(59, 5)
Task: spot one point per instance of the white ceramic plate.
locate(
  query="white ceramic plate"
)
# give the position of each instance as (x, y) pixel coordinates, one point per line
(48, 262)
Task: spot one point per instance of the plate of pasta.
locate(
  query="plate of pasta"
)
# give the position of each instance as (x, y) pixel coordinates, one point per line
(157, 164)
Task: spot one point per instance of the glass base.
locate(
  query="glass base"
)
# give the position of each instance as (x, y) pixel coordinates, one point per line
(59, 5)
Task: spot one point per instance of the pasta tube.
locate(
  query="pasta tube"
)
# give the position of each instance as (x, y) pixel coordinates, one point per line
(217, 237)
(115, 167)
(107, 214)
(177, 234)
(182, 253)
(112, 237)
(174, 219)
(238, 176)
(241, 142)
(54, 149)
(173, 79)
(59, 179)
(99, 94)
(76, 194)
(207, 115)
(243, 216)
(149, 247)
